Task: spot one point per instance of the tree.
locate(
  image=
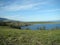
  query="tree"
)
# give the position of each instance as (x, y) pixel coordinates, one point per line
(42, 28)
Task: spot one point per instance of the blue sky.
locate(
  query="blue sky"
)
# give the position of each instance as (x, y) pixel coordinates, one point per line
(30, 10)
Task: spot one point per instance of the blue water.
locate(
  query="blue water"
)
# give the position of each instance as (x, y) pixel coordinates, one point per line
(37, 26)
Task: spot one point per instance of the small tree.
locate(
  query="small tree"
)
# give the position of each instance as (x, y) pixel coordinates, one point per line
(56, 28)
(42, 28)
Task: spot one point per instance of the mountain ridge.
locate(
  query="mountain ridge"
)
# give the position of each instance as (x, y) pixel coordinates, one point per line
(5, 19)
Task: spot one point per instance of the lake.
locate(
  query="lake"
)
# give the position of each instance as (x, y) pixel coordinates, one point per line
(39, 26)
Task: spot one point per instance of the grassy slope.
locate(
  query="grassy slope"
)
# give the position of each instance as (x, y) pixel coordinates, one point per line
(43, 22)
(9, 36)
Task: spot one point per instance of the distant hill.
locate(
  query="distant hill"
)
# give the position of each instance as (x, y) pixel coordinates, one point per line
(7, 20)
(3, 19)
(56, 21)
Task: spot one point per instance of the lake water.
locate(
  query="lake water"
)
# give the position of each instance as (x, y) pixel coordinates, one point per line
(38, 26)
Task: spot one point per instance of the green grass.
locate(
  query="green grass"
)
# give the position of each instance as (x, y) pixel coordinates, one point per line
(10, 36)
(23, 23)
(44, 22)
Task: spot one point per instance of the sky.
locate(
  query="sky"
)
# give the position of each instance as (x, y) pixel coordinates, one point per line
(30, 10)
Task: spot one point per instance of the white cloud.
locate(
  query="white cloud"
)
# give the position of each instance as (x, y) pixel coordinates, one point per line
(53, 10)
(19, 7)
(15, 6)
(50, 10)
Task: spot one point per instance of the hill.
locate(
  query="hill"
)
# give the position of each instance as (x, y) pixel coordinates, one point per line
(10, 36)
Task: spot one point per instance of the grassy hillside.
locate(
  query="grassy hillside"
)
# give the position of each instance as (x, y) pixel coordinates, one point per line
(44, 22)
(10, 36)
